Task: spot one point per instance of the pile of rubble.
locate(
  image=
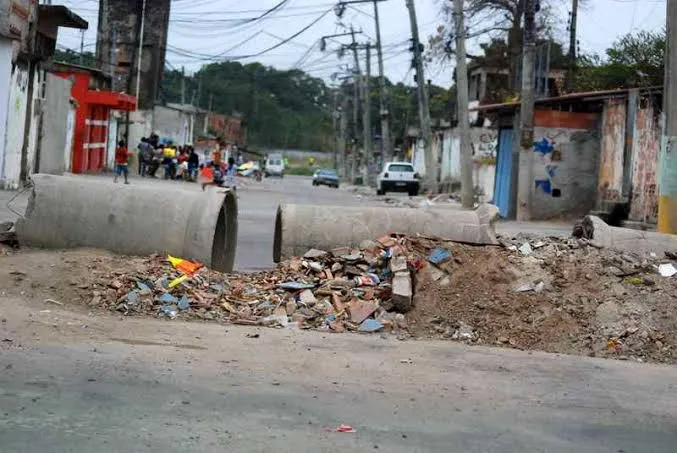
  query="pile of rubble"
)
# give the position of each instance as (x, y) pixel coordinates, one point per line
(366, 290)
(564, 295)
(553, 294)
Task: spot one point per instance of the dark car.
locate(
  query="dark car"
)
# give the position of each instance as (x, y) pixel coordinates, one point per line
(326, 177)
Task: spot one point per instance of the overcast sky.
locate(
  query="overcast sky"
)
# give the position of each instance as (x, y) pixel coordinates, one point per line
(205, 28)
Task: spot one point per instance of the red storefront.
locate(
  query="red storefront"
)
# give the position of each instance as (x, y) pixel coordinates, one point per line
(94, 105)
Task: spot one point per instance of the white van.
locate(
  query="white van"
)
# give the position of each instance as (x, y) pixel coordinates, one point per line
(275, 165)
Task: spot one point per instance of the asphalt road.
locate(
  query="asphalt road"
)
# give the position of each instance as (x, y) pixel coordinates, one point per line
(72, 382)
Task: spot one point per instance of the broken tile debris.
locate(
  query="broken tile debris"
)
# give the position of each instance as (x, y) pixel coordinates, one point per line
(339, 290)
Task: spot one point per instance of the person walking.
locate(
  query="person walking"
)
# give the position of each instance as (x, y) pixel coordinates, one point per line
(145, 157)
(231, 173)
(193, 163)
(121, 161)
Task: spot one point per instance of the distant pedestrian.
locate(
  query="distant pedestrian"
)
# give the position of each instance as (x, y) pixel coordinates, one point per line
(231, 173)
(193, 163)
(145, 157)
(169, 160)
(121, 161)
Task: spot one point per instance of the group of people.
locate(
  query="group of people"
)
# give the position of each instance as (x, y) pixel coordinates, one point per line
(177, 163)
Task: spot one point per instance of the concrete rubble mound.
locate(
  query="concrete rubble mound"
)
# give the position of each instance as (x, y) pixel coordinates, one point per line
(364, 289)
(563, 295)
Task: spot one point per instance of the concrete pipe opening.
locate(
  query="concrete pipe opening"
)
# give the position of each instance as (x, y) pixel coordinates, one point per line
(302, 227)
(225, 235)
(136, 219)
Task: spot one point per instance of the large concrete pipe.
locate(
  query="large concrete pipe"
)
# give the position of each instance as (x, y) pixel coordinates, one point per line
(625, 239)
(299, 228)
(136, 219)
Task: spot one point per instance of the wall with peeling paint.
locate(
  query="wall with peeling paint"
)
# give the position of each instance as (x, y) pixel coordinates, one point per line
(610, 186)
(645, 155)
(484, 144)
(566, 166)
(16, 122)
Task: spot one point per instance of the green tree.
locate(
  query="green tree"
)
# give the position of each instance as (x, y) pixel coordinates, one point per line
(288, 109)
(634, 60)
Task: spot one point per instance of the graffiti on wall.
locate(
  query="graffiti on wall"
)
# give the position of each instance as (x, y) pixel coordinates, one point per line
(548, 155)
(485, 146)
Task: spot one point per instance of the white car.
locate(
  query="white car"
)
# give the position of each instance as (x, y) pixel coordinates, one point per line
(275, 166)
(398, 177)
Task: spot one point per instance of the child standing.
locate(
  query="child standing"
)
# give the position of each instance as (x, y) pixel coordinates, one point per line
(121, 161)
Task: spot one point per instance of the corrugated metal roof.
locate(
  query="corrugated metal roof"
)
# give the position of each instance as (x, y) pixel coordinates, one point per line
(582, 96)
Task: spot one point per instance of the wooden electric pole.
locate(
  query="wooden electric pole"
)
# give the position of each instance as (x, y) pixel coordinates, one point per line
(387, 144)
(571, 72)
(343, 127)
(357, 75)
(424, 108)
(667, 201)
(467, 187)
(368, 148)
(183, 85)
(526, 159)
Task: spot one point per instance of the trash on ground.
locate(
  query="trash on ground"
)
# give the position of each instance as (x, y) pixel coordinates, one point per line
(185, 266)
(345, 429)
(525, 249)
(667, 270)
(439, 256)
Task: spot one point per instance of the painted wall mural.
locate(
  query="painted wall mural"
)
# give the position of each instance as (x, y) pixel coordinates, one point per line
(548, 155)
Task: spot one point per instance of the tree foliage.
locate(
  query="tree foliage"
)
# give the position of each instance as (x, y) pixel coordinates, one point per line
(634, 60)
(287, 109)
(501, 22)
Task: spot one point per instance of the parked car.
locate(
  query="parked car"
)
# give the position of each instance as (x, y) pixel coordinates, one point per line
(398, 177)
(326, 177)
(275, 166)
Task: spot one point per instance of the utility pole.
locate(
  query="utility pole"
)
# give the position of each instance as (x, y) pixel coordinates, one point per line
(667, 201)
(571, 73)
(387, 145)
(343, 126)
(357, 75)
(368, 148)
(82, 47)
(334, 128)
(467, 188)
(183, 85)
(424, 108)
(138, 63)
(525, 189)
(209, 114)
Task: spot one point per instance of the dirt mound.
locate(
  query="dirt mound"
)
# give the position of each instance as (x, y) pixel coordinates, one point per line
(564, 296)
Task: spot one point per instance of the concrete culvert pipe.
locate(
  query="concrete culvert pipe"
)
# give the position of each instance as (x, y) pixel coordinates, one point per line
(625, 239)
(136, 219)
(299, 228)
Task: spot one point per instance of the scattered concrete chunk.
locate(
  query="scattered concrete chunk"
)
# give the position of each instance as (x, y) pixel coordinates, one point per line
(314, 254)
(402, 292)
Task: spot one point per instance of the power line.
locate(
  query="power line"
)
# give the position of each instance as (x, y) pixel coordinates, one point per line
(205, 57)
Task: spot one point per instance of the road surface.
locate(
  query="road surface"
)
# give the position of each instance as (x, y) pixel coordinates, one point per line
(73, 382)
